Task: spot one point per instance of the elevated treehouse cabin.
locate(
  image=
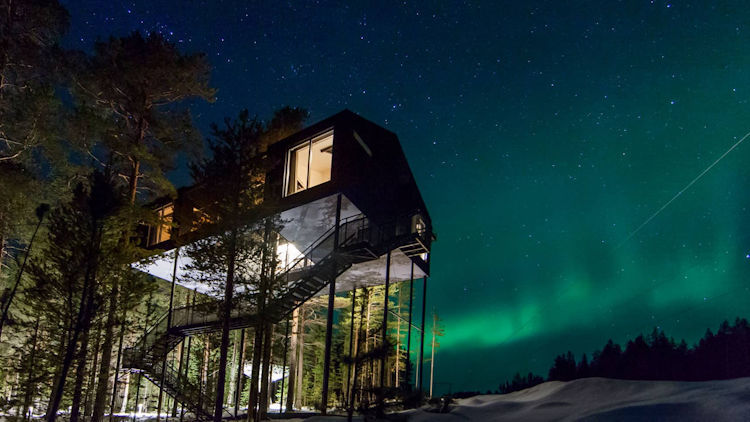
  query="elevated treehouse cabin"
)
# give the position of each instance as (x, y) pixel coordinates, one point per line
(352, 217)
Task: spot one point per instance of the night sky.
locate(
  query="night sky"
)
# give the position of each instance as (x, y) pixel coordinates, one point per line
(541, 136)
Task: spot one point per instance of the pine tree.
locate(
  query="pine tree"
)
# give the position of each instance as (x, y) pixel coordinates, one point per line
(30, 114)
(136, 83)
(30, 68)
(239, 253)
(78, 255)
(583, 369)
(564, 368)
(437, 331)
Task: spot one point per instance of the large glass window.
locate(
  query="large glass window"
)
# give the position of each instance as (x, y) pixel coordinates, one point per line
(162, 232)
(310, 163)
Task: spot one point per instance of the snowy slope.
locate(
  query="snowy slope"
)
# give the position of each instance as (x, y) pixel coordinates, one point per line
(601, 399)
(598, 399)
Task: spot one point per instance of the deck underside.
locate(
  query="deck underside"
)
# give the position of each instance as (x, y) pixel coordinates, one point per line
(302, 226)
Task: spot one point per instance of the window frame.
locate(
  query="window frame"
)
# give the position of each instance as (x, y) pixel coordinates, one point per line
(308, 142)
(155, 232)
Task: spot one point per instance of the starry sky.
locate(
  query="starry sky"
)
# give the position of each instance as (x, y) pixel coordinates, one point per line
(541, 134)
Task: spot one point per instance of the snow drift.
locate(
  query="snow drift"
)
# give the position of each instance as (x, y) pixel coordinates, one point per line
(602, 399)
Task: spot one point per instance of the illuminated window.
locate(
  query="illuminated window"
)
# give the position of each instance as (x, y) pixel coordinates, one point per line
(162, 232)
(309, 163)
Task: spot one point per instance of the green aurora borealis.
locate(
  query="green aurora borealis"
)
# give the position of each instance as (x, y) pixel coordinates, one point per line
(591, 139)
(541, 136)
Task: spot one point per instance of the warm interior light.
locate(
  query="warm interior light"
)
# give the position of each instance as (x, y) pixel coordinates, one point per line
(320, 160)
(310, 163)
(162, 232)
(287, 253)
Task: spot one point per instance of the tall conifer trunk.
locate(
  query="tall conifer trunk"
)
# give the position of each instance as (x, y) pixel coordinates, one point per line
(28, 395)
(354, 354)
(102, 386)
(80, 377)
(257, 382)
(300, 360)
(292, 360)
(117, 366)
(233, 365)
(252, 402)
(2, 253)
(240, 372)
(106, 361)
(204, 369)
(125, 392)
(266, 373)
(226, 310)
(146, 396)
(357, 366)
(180, 356)
(88, 402)
(83, 318)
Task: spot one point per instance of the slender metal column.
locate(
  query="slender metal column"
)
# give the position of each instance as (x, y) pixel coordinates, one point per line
(351, 353)
(169, 325)
(283, 366)
(179, 372)
(421, 341)
(329, 320)
(240, 373)
(385, 317)
(137, 393)
(408, 333)
(140, 373)
(117, 367)
(187, 359)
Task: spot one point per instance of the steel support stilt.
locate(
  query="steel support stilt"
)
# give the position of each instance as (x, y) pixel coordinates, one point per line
(421, 341)
(240, 373)
(384, 331)
(408, 332)
(283, 367)
(169, 325)
(329, 319)
(348, 393)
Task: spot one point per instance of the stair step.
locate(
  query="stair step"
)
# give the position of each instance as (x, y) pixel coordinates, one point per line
(304, 288)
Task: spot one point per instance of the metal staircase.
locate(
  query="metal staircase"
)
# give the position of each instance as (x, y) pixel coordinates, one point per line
(303, 278)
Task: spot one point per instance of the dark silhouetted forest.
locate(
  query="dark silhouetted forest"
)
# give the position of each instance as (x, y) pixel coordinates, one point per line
(723, 355)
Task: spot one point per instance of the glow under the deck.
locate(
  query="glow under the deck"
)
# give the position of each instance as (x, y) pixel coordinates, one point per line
(302, 226)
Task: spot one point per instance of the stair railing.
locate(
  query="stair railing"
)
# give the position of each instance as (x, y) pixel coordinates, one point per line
(321, 250)
(352, 230)
(150, 350)
(186, 392)
(310, 256)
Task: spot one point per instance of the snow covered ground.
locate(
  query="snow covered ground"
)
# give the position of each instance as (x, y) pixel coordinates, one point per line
(601, 399)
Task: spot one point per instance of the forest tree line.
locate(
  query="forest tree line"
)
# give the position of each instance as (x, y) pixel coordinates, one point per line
(86, 138)
(723, 355)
